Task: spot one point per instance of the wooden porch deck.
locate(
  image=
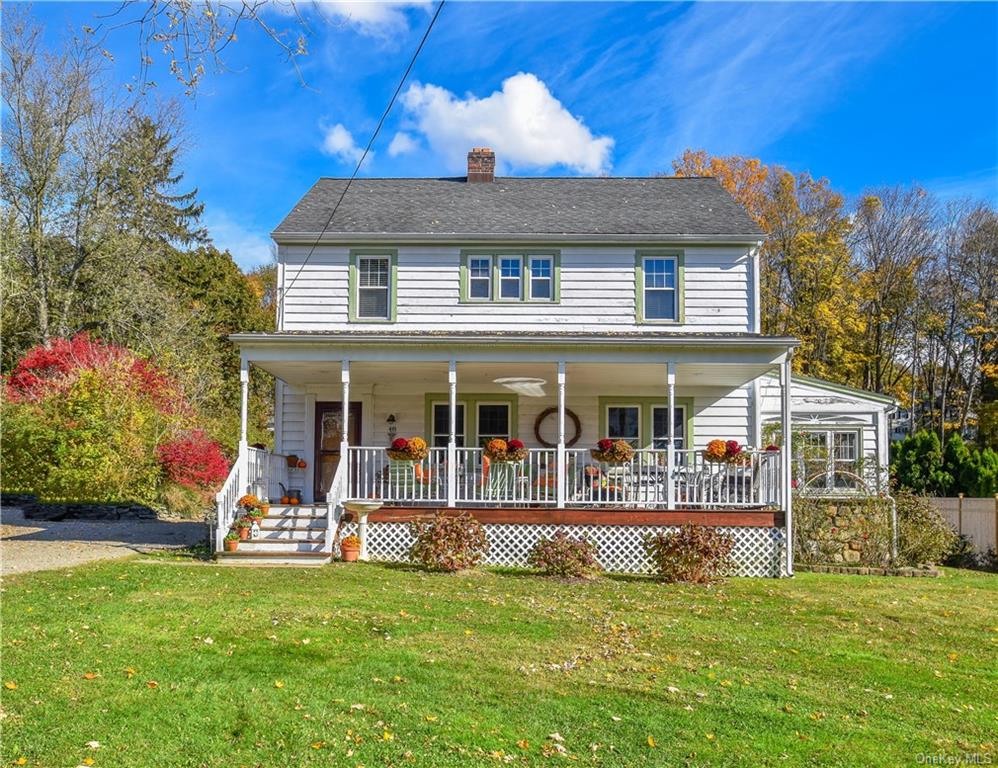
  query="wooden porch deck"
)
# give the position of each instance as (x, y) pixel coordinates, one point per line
(755, 518)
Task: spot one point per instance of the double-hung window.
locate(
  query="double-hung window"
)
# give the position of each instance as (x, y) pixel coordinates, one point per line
(541, 278)
(493, 421)
(829, 453)
(660, 426)
(480, 277)
(441, 425)
(510, 278)
(373, 300)
(623, 422)
(661, 295)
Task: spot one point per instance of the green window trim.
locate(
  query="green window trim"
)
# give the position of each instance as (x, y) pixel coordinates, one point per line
(524, 255)
(471, 402)
(645, 425)
(639, 285)
(353, 284)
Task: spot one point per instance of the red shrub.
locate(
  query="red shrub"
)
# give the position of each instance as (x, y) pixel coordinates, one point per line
(193, 460)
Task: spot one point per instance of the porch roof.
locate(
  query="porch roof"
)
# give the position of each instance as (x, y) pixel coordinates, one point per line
(722, 359)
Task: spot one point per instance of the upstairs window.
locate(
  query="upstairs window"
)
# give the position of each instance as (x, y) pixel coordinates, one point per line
(509, 277)
(541, 278)
(660, 289)
(480, 277)
(372, 289)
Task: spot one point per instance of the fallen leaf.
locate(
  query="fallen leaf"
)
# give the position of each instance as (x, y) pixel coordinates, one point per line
(387, 736)
(278, 683)
(615, 718)
(555, 736)
(89, 675)
(651, 741)
(129, 672)
(430, 718)
(318, 744)
(152, 684)
(93, 744)
(672, 689)
(21, 761)
(209, 641)
(88, 761)
(357, 706)
(10, 685)
(523, 744)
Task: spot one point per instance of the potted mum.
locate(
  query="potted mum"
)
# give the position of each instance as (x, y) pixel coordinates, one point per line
(408, 449)
(614, 452)
(725, 452)
(231, 541)
(509, 451)
(350, 549)
(252, 507)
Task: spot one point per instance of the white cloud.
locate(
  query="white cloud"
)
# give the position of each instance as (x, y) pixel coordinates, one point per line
(369, 17)
(523, 122)
(248, 247)
(339, 143)
(402, 144)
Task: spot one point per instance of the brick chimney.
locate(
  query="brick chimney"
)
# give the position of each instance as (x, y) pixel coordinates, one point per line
(481, 164)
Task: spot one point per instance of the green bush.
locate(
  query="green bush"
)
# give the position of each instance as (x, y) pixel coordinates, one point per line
(923, 466)
(924, 536)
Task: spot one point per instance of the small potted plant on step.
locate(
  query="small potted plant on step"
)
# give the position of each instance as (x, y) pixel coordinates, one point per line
(243, 527)
(350, 549)
(231, 541)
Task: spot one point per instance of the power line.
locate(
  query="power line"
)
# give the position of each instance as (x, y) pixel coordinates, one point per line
(367, 149)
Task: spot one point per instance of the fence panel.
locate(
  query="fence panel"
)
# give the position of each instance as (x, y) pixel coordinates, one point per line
(977, 519)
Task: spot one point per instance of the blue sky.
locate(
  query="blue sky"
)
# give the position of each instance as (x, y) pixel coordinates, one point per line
(863, 93)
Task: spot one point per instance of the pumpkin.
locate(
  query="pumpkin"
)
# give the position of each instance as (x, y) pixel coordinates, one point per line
(302, 464)
(285, 499)
(294, 501)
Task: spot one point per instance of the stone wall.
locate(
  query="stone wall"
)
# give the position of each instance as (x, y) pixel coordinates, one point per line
(843, 531)
(37, 510)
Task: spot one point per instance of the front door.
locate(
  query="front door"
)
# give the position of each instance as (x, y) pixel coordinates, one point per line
(328, 436)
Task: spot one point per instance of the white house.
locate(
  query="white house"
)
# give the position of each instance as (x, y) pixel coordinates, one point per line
(556, 311)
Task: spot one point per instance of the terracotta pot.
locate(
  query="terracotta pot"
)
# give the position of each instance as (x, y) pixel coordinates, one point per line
(230, 546)
(350, 554)
(244, 533)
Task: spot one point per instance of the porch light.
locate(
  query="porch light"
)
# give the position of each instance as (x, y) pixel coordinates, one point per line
(392, 429)
(523, 385)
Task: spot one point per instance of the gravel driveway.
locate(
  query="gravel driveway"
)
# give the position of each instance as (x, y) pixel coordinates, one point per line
(40, 545)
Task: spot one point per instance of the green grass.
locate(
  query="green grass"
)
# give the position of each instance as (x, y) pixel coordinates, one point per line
(379, 666)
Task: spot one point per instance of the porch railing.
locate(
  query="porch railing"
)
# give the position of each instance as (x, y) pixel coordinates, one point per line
(753, 480)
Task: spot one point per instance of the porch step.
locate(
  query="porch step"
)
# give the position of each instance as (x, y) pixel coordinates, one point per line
(293, 522)
(282, 545)
(284, 533)
(241, 557)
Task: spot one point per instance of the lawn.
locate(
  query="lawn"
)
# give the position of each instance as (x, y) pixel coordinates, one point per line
(173, 664)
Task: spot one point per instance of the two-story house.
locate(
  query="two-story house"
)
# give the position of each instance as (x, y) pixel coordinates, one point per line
(553, 311)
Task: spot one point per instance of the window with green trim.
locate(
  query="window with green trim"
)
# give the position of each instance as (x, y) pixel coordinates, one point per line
(372, 286)
(480, 417)
(510, 277)
(644, 421)
(658, 279)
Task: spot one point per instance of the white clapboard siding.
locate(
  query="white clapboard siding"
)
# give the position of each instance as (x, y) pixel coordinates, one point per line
(597, 292)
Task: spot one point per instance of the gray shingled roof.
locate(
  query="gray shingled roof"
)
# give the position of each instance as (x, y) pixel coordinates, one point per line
(520, 206)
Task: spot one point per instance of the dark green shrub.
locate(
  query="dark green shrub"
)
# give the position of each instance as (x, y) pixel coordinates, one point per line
(448, 542)
(694, 553)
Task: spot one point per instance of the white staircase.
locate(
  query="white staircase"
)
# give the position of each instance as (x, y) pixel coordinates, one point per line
(288, 536)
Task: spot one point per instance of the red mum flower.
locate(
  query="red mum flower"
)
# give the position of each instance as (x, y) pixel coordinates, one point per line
(605, 444)
(732, 448)
(400, 444)
(772, 447)
(515, 444)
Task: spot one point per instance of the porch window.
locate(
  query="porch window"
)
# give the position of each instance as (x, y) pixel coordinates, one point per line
(493, 421)
(480, 277)
(623, 422)
(660, 426)
(373, 287)
(830, 452)
(510, 277)
(541, 277)
(660, 300)
(441, 425)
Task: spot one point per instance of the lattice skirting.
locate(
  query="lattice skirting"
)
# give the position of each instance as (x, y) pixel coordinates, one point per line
(758, 551)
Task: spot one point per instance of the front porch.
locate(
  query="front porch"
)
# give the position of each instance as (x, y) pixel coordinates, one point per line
(667, 410)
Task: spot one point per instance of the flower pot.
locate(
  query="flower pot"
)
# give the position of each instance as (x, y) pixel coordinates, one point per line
(244, 533)
(349, 554)
(230, 546)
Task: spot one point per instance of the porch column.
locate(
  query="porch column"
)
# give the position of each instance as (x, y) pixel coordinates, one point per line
(561, 464)
(244, 405)
(670, 448)
(452, 433)
(243, 458)
(345, 424)
(786, 409)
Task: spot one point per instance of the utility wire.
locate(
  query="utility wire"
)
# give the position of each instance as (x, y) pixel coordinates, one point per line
(367, 149)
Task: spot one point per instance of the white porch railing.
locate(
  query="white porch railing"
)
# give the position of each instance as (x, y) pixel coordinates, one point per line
(752, 481)
(226, 498)
(334, 502)
(255, 471)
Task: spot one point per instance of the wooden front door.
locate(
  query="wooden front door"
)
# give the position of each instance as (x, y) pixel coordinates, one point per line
(328, 436)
